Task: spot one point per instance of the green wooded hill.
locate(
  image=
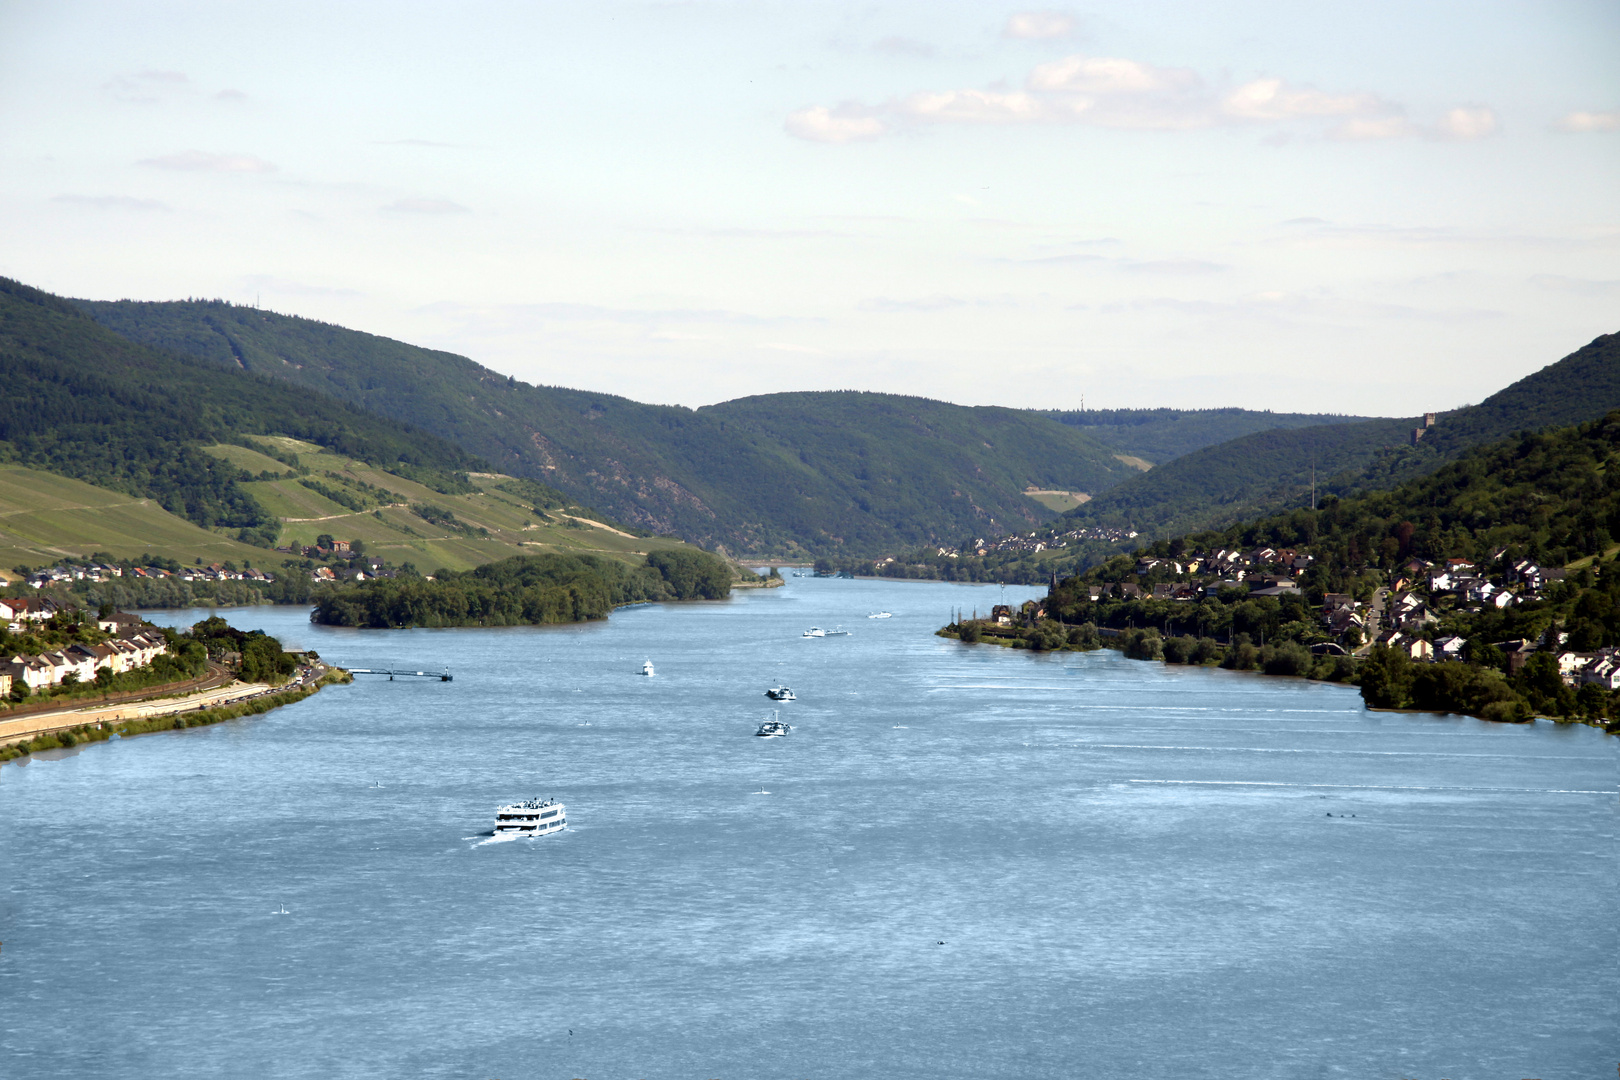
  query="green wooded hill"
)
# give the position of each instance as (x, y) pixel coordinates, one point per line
(1160, 435)
(84, 402)
(785, 474)
(1269, 470)
(1552, 497)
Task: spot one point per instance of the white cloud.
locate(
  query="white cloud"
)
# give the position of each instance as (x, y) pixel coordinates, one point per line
(1273, 99)
(973, 107)
(1039, 25)
(197, 161)
(112, 202)
(821, 124)
(1107, 75)
(1121, 93)
(426, 206)
(1590, 121)
(1467, 122)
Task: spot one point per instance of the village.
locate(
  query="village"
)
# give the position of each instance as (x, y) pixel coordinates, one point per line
(98, 572)
(132, 646)
(352, 564)
(1403, 615)
(1034, 542)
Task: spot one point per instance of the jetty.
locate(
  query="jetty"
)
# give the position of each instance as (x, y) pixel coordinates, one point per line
(442, 676)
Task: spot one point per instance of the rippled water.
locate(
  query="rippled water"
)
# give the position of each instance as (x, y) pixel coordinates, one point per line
(972, 862)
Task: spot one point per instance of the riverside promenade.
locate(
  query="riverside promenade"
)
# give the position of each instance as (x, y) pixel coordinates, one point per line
(212, 694)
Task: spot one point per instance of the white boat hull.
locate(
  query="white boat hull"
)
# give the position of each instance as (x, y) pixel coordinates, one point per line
(531, 819)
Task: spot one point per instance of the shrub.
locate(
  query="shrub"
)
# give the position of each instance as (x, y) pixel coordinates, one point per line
(1241, 657)
(1084, 636)
(1144, 645)
(1180, 650)
(1289, 658)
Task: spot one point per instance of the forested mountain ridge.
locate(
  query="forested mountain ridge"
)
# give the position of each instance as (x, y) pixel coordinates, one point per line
(782, 474)
(84, 402)
(1269, 470)
(1161, 435)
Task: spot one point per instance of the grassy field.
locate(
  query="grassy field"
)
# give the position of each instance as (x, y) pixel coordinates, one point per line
(1058, 500)
(44, 516)
(488, 524)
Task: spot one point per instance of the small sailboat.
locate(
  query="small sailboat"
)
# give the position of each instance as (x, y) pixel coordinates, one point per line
(283, 911)
(647, 668)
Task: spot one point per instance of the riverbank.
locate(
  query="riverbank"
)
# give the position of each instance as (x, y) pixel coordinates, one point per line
(69, 727)
(1289, 660)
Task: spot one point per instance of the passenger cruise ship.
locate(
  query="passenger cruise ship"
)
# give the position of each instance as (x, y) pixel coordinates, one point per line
(533, 818)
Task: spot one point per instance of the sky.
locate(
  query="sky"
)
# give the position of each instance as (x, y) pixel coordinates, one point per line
(1374, 208)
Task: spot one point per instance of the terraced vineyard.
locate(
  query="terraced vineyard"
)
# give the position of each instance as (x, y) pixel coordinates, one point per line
(44, 517)
(406, 521)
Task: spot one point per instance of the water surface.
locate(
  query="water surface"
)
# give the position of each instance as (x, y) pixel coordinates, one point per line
(972, 862)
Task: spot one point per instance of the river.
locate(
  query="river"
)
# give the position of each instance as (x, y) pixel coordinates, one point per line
(972, 863)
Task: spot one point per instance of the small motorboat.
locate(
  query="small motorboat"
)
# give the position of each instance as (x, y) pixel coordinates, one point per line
(773, 729)
(815, 631)
(647, 668)
(835, 632)
(881, 615)
(780, 693)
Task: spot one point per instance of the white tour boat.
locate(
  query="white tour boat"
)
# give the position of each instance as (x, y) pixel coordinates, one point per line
(646, 667)
(780, 693)
(773, 729)
(836, 632)
(536, 817)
